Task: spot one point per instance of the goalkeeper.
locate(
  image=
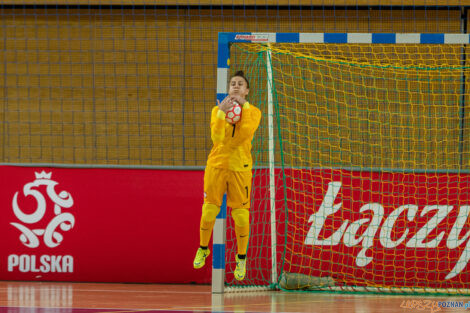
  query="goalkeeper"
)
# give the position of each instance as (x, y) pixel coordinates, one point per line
(228, 171)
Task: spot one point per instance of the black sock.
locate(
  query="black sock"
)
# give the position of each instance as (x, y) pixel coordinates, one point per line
(203, 248)
(242, 256)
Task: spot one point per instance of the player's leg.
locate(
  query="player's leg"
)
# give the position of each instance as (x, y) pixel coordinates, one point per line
(215, 183)
(214, 189)
(241, 217)
(239, 200)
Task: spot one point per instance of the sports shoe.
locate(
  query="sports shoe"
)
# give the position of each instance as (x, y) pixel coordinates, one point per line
(240, 270)
(200, 258)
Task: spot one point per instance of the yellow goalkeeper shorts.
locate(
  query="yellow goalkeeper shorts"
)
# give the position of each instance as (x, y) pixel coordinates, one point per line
(237, 185)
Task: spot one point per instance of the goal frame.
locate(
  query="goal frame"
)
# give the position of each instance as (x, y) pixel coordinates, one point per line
(223, 69)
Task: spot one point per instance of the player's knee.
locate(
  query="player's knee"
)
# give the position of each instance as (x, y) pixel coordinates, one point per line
(209, 212)
(241, 217)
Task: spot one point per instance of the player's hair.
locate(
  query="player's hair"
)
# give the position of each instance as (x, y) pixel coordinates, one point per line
(242, 75)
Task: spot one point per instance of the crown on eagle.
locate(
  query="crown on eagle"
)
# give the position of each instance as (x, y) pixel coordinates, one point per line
(43, 175)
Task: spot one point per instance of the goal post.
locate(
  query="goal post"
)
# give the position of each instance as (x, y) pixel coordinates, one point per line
(361, 178)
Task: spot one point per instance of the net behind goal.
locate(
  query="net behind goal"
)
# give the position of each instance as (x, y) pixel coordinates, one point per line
(361, 162)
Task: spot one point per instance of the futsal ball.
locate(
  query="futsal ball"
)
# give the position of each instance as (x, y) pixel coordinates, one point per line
(234, 114)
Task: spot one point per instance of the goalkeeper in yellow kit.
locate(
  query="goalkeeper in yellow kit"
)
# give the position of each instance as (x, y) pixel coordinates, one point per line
(228, 171)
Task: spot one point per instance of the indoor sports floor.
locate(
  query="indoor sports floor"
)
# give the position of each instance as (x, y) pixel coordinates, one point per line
(42, 297)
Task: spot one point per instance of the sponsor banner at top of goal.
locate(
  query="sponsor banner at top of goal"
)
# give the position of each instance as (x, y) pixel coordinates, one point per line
(367, 38)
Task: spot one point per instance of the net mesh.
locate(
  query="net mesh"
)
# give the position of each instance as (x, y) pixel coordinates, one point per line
(371, 157)
(92, 83)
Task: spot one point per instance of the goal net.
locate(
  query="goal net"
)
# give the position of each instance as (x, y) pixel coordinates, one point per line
(367, 150)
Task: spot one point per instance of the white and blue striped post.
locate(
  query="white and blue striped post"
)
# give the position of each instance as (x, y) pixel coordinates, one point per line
(218, 249)
(223, 64)
(220, 226)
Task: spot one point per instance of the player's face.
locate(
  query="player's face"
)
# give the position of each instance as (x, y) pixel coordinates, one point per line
(238, 86)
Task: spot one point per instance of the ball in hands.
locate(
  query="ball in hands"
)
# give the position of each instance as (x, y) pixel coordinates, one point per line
(234, 114)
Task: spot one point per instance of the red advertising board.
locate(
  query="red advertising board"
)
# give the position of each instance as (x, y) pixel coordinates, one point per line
(379, 229)
(136, 225)
(100, 225)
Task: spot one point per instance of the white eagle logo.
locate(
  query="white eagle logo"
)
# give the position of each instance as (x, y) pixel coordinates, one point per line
(52, 238)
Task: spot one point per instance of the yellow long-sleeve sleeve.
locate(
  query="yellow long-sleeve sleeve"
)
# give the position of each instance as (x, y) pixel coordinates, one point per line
(232, 143)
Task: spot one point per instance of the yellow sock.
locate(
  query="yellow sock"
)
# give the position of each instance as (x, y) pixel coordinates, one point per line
(243, 234)
(205, 232)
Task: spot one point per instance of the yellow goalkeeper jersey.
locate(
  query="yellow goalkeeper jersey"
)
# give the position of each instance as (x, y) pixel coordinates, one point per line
(232, 143)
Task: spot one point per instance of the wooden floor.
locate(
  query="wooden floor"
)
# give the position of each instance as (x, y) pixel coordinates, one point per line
(37, 297)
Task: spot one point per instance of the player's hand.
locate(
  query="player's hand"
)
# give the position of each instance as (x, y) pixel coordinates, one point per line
(226, 104)
(241, 101)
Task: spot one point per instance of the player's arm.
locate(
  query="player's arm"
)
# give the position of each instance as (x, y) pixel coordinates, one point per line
(249, 122)
(218, 120)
